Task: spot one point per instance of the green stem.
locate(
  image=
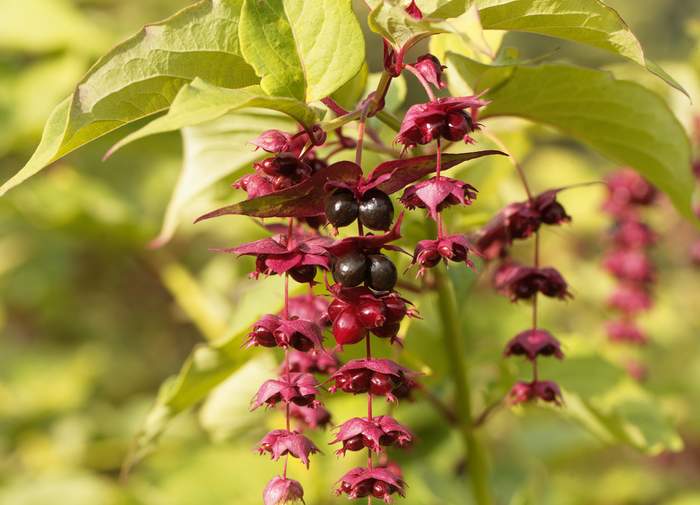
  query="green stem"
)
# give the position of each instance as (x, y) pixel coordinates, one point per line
(389, 119)
(477, 465)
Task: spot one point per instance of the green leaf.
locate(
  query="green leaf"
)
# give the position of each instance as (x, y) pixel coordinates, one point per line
(207, 367)
(350, 93)
(588, 22)
(301, 49)
(142, 76)
(212, 151)
(200, 102)
(627, 415)
(622, 120)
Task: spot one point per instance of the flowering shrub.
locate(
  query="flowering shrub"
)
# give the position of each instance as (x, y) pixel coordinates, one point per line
(367, 239)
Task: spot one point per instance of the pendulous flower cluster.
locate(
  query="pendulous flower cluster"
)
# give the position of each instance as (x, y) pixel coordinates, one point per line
(518, 221)
(319, 198)
(628, 259)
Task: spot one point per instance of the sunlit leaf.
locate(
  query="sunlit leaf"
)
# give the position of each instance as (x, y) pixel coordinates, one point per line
(622, 120)
(200, 102)
(301, 49)
(142, 76)
(588, 22)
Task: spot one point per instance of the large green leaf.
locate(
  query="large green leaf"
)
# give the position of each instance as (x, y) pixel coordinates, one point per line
(302, 49)
(212, 151)
(200, 102)
(622, 120)
(142, 76)
(588, 22)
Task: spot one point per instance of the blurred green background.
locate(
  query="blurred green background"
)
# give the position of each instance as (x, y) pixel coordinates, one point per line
(92, 321)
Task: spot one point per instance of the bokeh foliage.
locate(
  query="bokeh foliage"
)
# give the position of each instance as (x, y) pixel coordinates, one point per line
(92, 321)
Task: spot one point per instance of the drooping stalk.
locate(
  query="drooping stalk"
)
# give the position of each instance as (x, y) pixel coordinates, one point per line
(478, 467)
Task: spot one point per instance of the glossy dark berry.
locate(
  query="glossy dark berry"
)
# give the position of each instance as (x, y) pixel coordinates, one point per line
(553, 213)
(395, 308)
(382, 273)
(350, 270)
(376, 210)
(347, 328)
(458, 124)
(354, 444)
(341, 208)
(304, 273)
(387, 330)
(263, 337)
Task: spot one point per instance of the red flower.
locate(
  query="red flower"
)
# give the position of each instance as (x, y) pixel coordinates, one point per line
(547, 391)
(533, 343)
(630, 299)
(298, 388)
(625, 331)
(381, 377)
(309, 307)
(436, 194)
(281, 490)
(310, 417)
(274, 256)
(631, 233)
(519, 282)
(358, 433)
(380, 483)
(626, 189)
(455, 248)
(315, 361)
(444, 117)
(296, 333)
(630, 264)
(281, 442)
(276, 141)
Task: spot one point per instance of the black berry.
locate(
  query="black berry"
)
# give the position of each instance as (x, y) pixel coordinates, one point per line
(382, 273)
(341, 208)
(376, 210)
(303, 273)
(350, 270)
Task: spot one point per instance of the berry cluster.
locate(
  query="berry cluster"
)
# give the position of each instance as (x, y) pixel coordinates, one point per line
(319, 198)
(522, 220)
(628, 259)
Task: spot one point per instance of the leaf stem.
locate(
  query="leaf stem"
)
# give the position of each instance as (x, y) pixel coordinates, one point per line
(389, 119)
(455, 351)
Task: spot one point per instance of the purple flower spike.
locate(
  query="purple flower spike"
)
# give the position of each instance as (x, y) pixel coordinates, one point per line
(454, 248)
(280, 491)
(519, 282)
(630, 265)
(299, 388)
(281, 442)
(533, 343)
(380, 483)
(437, 194)
(547, 391)
(430, 68)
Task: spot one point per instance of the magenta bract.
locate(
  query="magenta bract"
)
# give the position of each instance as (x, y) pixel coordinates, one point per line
(519, 282)
(281, 442)
(280, 491)
(547, 391)
(437, 194)
(358, 433)
(429, 253)
(625, 331)
(430, 68)
(381, 377)
(533, 343)
(310, 417)
(298, 388)
(377, 482)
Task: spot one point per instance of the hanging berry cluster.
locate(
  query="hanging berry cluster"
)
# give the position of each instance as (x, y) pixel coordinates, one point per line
(319, 197)
(519, 221)
(628, 259)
